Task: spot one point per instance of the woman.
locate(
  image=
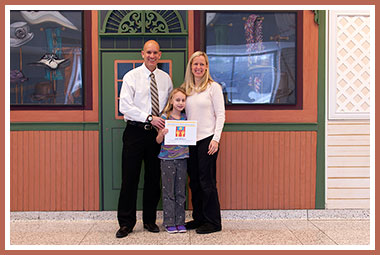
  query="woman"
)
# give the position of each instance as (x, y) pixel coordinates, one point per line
(205, 104)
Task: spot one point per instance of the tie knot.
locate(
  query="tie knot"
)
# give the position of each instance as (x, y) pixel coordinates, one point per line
(151, 75)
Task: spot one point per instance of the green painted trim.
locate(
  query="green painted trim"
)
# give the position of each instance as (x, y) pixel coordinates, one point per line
(101, 177)
(101, 188)
(320, 174)
(55, 126)
(236, 127)
(317, 16)
(100, 27)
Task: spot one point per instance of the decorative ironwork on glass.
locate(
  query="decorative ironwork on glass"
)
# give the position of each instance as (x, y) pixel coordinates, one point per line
(131, 23)
(113, 21)
(143, 22)
(155, 23)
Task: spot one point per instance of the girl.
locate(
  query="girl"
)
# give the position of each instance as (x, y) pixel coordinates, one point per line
(173, 167)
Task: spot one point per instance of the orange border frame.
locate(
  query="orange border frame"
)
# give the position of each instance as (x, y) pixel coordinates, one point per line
(160, 252)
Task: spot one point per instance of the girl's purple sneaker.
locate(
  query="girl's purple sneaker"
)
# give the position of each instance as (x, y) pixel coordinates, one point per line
(181, 229)
(171, 230)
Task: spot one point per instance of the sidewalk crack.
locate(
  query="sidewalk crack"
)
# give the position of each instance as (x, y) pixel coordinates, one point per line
(292, 233)
(323, 232)
(80, 242)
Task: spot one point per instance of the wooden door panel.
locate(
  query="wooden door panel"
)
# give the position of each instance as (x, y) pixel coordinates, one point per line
(114, 66)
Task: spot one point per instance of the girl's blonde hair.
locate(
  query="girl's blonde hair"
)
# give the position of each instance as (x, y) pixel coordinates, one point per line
(189, 82)
(169, 106)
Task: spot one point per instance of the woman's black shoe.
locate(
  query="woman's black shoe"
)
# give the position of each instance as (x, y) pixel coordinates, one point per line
(193, 224)
(208, 228)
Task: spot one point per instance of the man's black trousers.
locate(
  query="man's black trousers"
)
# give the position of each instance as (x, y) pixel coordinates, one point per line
(139, 145)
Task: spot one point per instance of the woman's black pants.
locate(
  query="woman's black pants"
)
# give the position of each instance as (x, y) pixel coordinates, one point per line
(202, 173)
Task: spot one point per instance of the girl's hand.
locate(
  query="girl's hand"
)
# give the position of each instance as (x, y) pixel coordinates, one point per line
(161, 134)
(164, 131)
(213, 147)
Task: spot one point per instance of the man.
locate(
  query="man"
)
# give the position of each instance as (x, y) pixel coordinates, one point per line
(143, 95)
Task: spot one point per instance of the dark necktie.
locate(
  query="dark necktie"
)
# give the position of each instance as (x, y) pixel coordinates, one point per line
(154, 95)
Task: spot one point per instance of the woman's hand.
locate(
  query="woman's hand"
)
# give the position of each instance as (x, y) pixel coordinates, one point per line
(213, 147)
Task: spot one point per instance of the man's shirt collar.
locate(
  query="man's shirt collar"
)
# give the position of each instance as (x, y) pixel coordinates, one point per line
(147, 71)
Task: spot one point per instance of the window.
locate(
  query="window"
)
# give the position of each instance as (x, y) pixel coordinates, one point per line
(46, 58)
(253, 55)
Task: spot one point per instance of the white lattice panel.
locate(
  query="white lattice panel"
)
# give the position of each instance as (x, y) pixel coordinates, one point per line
(349, 65)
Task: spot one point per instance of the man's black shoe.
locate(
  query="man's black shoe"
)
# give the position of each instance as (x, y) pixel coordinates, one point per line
(123, 231)
(208, 228)
(151, 227)
(193, 224)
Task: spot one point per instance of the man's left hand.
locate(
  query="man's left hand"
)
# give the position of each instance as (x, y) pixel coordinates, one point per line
(158, 122)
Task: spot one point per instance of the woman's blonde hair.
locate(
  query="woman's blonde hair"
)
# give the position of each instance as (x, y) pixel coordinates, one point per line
(169, 106)
(189, 82)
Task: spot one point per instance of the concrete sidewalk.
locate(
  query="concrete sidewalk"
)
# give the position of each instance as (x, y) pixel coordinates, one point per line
(258, 227)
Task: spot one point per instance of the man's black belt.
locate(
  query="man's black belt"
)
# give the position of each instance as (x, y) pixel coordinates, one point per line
(144, 125)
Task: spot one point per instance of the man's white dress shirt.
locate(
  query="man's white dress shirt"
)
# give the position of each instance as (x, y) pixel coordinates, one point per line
(135, 98)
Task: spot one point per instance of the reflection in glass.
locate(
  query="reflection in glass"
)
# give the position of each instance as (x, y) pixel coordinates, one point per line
(253, 56)
(46, 59)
